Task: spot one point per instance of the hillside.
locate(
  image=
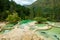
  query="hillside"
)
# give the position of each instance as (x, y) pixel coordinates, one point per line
(47, 8)
(46, 3)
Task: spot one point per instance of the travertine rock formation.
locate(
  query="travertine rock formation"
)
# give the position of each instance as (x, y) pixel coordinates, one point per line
(20, 34)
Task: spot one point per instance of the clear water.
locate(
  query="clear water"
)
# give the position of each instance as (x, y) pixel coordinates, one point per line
(53, 33)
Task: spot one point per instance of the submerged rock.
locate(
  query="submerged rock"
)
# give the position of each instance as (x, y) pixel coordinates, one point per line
(56, 37)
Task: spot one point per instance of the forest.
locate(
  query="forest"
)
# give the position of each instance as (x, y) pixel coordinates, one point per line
(11, 11)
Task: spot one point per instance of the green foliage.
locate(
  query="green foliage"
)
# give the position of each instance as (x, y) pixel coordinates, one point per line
(40, 19)
(8, 7)
(46, 9)
(13, 18)
(26, 17)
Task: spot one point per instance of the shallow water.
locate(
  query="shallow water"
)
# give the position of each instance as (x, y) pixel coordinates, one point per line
(53, 33)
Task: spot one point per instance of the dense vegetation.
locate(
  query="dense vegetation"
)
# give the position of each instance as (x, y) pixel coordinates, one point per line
(10, 11)
(10, 7)
(49, 9)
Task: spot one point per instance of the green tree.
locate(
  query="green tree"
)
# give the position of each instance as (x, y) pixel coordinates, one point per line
(13, 18)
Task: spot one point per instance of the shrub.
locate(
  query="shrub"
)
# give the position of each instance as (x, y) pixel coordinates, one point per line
(13, 18)
(40, 19)
(26, 17)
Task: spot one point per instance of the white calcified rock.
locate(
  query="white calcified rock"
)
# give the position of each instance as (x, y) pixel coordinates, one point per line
(20, 34)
